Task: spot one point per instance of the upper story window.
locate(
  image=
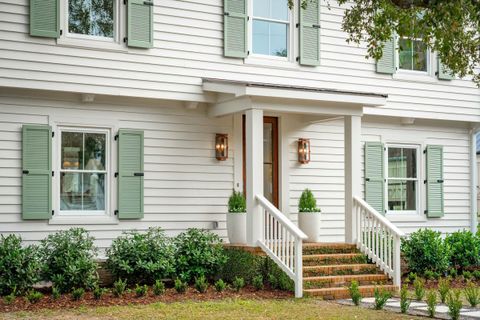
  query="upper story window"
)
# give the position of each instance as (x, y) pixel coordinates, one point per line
(92, 19)
(270, 28)
(412, 55)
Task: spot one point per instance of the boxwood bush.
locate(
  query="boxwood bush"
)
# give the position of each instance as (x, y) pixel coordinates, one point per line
(141, 257)
(68, 259)
(19, 266)
(465, 249)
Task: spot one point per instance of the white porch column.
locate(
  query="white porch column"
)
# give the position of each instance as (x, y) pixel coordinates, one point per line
(254, 171)
(353, 130)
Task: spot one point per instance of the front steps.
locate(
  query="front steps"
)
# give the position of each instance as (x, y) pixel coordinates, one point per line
(329, 268)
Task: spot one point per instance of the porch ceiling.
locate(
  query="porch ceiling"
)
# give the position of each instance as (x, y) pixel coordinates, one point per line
(237, 96)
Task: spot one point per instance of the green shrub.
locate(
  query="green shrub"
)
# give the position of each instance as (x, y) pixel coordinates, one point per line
(119, 287)
(98, 292)
(412, 276)
(426, 250)
(277, 278)
(452, 272)
(198, 253)
(180, 286)
(465, 249)
(354, 291)
(10, 298)
(454, 304)
(381, 298)
(78, 294)
(419, 286)
(467, 275)
(472, 293)
(431, 275)
(238, 284)
(240, 263)
(476, 274)
(33, 296)
(236, 203)
(141, 257)
(220, 285)
(431, 303)
(443, 289)
(158, 287)
(404, 301)
(69, 259)
(201, 284)
(55, 293)
(307, 202)
(19, 266)
(257, 282)
(141, 290)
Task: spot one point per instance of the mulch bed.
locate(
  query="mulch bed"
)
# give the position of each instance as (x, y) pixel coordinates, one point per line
(456, 283)
(129, 298)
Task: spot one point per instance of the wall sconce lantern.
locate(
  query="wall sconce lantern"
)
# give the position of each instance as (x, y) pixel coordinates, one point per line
(221, 146)
(303, 150)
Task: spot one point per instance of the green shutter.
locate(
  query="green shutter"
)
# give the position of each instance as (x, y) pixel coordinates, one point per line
(310, 34)
(235, 28)
(434, 162)
(443, 72)
(140, 23)
(44, 18)
(130, 174)
(374, 176)
(386, 64)
(37, 172)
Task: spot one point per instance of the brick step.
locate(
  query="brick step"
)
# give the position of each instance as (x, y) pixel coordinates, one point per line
(333, 258)
(310, 248)
(341, 269)
(343, 293)
(343, 281)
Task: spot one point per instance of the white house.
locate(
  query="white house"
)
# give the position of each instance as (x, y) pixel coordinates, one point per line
(110, 123)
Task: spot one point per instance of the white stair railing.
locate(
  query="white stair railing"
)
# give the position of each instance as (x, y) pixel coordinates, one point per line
(282, 242)
(378, 238)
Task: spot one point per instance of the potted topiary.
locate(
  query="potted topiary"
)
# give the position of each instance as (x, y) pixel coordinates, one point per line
(237, 218)
(309, 216)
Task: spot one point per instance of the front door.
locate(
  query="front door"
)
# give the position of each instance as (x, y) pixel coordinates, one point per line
(270, 159)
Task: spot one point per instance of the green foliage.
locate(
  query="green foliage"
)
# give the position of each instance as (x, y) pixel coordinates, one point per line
(431, 275)
(307, 202)
(419, 286)
(158, 287)
(33, 296)
(78, 293)
(277, 278)
(431, 303)
(257, 282)
(472, 293)
(404, 301)
(19, 266)
(98, 292)
(465, 249)
(236, 203)
(476, 274)
(198, 253)
(141, 257)
(467, 275)
(381, 298)
(241, 263)
(180, 286)
(443, 289)
(8, 299)
(238, 283)
(454, 304)
(141, 290)
(452, 272)
(201, 284)
(119, 287)
(69, 259)
(412, 276)
(55, 293)
(355, 292)
(220, 285)
(426, 250)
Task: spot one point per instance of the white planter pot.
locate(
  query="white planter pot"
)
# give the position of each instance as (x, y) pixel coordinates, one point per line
(309, 223)
(237, 227)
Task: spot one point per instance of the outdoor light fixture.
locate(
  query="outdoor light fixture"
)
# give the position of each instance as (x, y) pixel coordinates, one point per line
(221, 146)
(303, 150)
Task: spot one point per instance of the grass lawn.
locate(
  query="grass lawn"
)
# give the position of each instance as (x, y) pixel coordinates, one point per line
(218, 309)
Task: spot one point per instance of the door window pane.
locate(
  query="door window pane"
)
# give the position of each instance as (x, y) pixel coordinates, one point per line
(91, 17)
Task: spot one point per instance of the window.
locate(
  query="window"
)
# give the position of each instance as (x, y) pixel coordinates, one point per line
(402, 178)
(270, 28)
(93, 19)
(412, 55)
(83, 168)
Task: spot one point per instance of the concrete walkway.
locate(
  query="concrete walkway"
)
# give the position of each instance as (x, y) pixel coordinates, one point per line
(418, 308)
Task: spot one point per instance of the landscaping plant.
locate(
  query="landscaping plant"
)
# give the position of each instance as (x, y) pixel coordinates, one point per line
(141, 290)
(33, 296)
(354, 291)
(381, 298)
(443, 288)
(180, 286)
(119, 287)
(257, 282)
(431, 275)
(467, 275)
(98, 292)
(68, 259)
(472, 293)
(201, 284)
(238, 284)
(158, 287)
(419, 286)
(55, 293)
(404, 301)
(431, 303)
(220, 285)
(412, 276)
(78, 293)
(8, 299)
(241, 263)
(476, 274)
(465, 249)
(236, 203)
(454, 304)
(307, 202)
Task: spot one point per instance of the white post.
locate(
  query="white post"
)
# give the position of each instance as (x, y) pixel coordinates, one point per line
(254, 171)
(396, 263)
(352, 173)
(298, 268)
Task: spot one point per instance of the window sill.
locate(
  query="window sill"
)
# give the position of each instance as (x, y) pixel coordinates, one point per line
(82, 220)
(405, 217)
(91, 44)
(413, 76)
(270, 62)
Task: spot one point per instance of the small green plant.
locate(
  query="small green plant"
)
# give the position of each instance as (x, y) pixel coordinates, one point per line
(141, 291)
(454, 304)
(467, 275)
(472, 293)
(119, 287)
(431, 303)
(431, 275)
(8, 299)
(355, 292)
(381, 298)
(158, 287)
(236, 203)
(180, 286)
(307, 202)
(78, 293)
(220, 285)
(98, 292)
(33, 296)
(443, 289)
(419, 287)
(452, 272)
(412, 276)
(238, 283)
(201, 284)
(404, 301)
(257, 282)
(476, 275)
(55, 293)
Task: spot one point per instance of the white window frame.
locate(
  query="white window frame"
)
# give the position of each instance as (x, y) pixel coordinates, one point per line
(418, 203)
(412, 72)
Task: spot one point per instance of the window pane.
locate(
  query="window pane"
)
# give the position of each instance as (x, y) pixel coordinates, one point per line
(71, 191)
(405, 54)
(91, 17)
(401, 195)
(260, 37)
(72, 150)
(278, 39)
(412, 55)
(279, 10)
(268, 181)
(267, 143)
(261, 8)
(94, 151)
(419, 56)
(93, 191)
(270, 38)
(402, 162)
